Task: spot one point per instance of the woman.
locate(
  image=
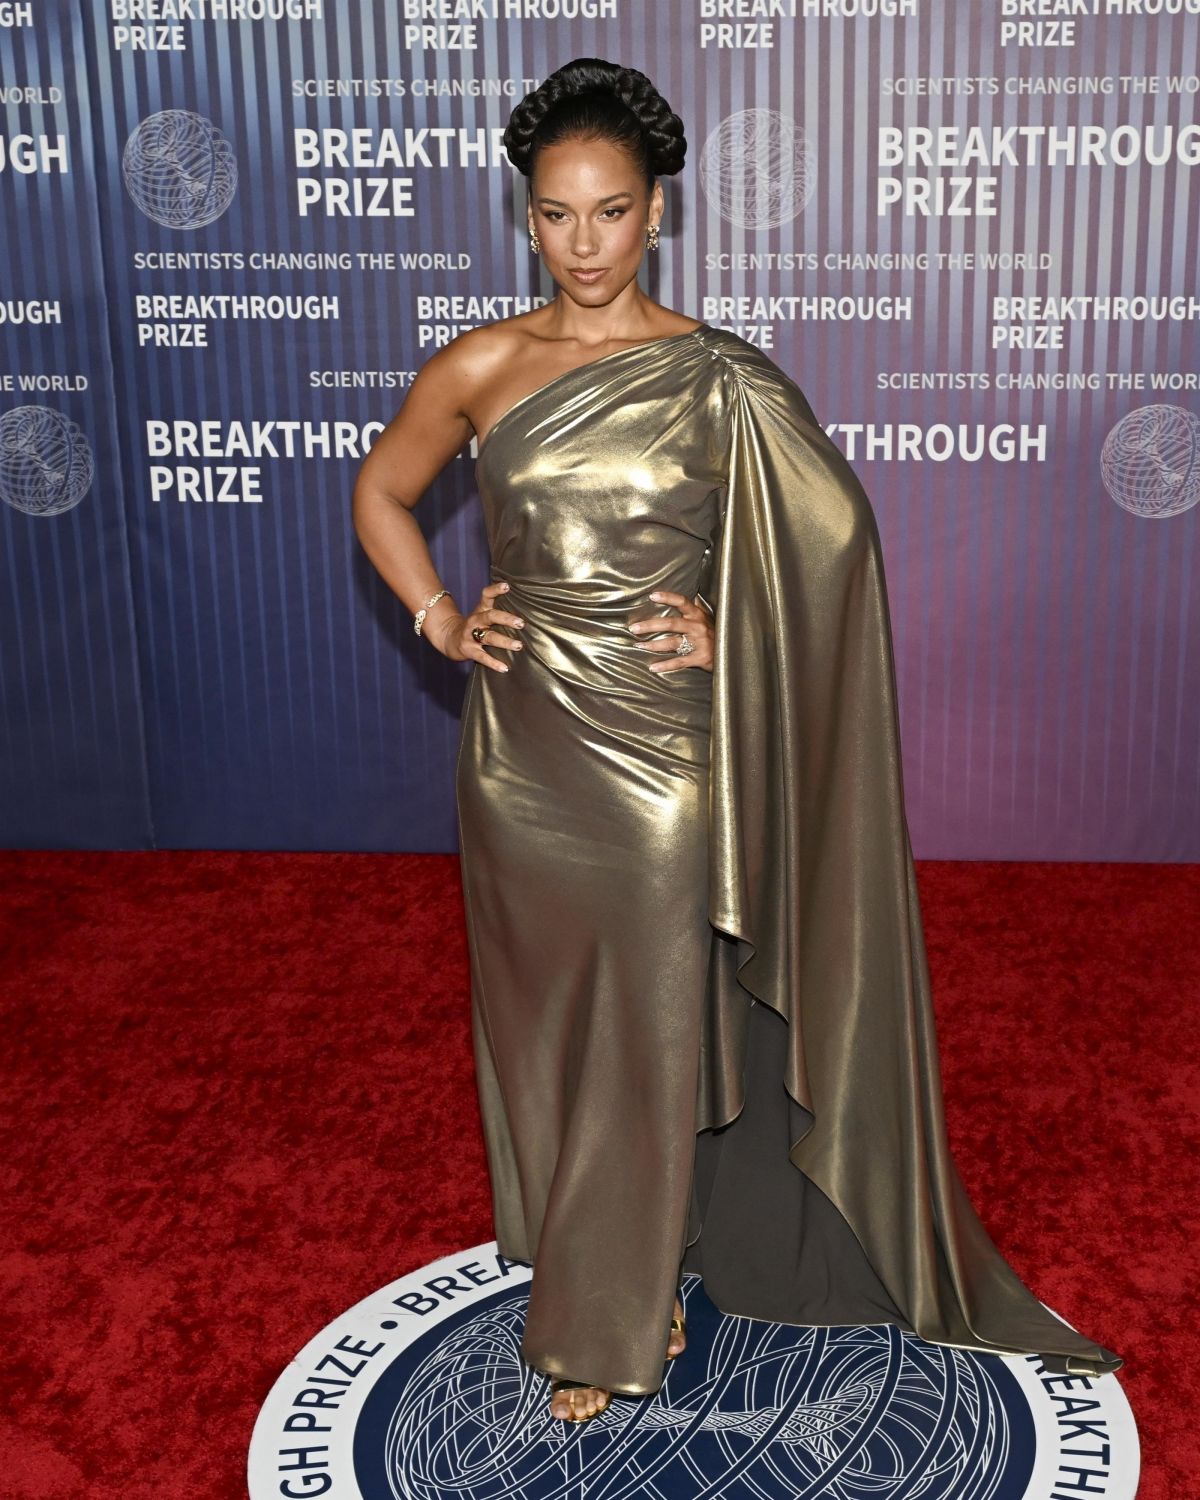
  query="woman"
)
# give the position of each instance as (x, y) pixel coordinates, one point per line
(702, 1024)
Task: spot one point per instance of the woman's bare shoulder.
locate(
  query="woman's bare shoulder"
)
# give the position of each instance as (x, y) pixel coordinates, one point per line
(467, 374)
(467, 365)
(482, 352)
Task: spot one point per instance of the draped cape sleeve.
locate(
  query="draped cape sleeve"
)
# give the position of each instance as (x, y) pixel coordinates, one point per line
(811, 871)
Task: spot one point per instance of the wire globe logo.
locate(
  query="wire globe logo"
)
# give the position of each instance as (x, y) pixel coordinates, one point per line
(757, 169)
(1149, 462)
(419, 1392)
(179, 169)
(46, 463)
(780, 1410)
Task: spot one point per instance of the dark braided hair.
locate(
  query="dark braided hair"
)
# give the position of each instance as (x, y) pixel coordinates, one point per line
(591, 99)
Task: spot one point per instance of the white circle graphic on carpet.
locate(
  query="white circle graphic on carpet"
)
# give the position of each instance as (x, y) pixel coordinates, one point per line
(419, 1392)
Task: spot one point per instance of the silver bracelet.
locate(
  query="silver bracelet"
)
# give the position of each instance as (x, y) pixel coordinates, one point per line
(419, 617)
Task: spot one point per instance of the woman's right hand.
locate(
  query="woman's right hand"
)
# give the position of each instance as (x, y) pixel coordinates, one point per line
(454, 638)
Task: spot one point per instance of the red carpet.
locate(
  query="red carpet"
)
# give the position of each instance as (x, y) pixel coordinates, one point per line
(238, 1097)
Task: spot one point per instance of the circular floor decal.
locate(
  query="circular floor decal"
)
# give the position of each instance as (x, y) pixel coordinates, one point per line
(419, 1392)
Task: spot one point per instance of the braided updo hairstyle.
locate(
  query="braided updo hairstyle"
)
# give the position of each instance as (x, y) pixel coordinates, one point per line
(591, 99)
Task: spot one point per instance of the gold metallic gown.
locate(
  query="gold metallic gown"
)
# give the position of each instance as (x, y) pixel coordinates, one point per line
(701, 1011)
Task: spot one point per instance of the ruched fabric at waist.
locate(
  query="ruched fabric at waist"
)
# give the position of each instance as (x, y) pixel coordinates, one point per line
(581, 635)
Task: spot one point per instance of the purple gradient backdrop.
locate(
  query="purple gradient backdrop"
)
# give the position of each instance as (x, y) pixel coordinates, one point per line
(238, 676)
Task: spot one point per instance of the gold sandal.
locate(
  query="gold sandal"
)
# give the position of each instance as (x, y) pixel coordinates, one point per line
(558, 1384)
(678, 1325)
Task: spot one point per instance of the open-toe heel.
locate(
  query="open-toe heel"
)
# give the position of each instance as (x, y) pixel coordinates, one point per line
(558, 1384)
(678, 1325)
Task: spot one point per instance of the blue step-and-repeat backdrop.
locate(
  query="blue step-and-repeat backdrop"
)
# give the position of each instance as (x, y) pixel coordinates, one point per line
(233, 230)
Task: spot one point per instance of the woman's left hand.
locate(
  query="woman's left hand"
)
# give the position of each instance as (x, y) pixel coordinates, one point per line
(693, 620)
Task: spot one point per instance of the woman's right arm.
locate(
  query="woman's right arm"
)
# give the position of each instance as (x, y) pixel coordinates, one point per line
(430, 427)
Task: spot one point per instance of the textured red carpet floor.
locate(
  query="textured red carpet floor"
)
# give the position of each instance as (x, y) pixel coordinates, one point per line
(238, 1097)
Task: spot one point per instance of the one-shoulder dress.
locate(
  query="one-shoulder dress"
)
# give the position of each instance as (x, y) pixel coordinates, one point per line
(703, 1032)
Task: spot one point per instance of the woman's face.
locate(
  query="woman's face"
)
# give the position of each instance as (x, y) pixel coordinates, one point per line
(590, 210)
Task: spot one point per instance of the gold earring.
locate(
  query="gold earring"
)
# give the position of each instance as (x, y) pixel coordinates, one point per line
(534, 243)
(652, 236)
